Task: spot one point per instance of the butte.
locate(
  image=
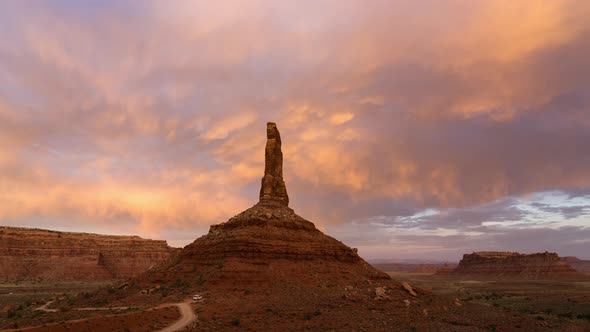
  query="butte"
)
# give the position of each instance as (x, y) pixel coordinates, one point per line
(268, 244)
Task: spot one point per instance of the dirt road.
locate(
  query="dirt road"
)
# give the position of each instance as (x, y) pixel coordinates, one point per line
(45, 309)
(187, 316)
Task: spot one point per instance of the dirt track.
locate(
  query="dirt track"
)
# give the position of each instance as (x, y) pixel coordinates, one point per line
(187, 316)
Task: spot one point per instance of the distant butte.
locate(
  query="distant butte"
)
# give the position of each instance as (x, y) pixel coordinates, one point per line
(498, 264)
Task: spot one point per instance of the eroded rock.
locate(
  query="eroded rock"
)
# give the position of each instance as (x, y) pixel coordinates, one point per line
(268, 242)
(380, 294)
(409, 289)
(273, 190)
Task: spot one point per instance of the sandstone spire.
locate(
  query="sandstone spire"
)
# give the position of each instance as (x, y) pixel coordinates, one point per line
(273, 188)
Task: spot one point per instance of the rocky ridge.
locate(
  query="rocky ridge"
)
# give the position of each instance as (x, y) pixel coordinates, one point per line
(28, 253)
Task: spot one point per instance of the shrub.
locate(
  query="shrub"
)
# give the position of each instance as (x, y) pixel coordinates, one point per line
(235, 322)
(569, 315)
(11, 313)
(200, 281)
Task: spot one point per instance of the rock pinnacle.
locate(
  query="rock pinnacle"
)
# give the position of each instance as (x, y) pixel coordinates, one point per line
(273, 190)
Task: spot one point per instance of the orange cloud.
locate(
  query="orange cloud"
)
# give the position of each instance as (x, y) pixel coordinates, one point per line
(158, 118)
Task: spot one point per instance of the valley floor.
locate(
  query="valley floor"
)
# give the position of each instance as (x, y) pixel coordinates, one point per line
(545, 300)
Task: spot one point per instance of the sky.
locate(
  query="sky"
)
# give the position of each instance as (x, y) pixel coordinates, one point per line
(419, 129)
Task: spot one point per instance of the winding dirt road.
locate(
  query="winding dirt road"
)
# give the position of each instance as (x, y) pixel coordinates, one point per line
(187, 316)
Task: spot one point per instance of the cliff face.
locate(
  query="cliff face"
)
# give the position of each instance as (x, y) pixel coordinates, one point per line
(36, 253)
(513, 264)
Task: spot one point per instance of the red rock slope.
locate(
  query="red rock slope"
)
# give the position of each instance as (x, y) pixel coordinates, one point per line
(37, 253)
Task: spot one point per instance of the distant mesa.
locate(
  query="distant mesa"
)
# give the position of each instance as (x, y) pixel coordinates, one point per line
(494, 264)
(580, 265)
(30, 253)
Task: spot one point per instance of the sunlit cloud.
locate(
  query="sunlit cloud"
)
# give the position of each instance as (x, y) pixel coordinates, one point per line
(149, 118)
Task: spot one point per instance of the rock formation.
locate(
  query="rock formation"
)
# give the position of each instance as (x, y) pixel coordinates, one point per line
(27, 253)
(273, 190)
(580, 265)
(267, 240)
(512, 264)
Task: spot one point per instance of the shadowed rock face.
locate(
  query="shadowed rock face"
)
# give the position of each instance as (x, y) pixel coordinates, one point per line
(273, 190)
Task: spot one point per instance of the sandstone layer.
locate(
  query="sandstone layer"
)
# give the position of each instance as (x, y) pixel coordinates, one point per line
(513, 264)
(27, 253)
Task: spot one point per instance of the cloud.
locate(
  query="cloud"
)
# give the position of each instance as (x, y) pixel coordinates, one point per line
(153, 116)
